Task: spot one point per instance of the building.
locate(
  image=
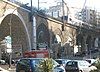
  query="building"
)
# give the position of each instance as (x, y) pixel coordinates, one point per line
(88, 15)
(61, 9)
(98, 19)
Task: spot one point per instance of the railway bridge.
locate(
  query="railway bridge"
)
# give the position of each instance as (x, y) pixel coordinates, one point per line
(30, 30)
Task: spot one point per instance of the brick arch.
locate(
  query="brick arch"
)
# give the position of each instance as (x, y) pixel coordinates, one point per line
(13, 13)
(42, 33)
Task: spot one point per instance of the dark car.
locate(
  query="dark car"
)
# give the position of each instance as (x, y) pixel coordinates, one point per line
(31, 65)
(62, 61)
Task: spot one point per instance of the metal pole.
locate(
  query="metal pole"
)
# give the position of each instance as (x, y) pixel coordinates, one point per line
(34, 33)
(31, 6)
(9, 61)
(31, 17)
(66, 7)
(86, 50)
(90, 54)
(11, 47)
(63, 10)
(63, 15)
(38, 5)
(33, 28)
(10, 54)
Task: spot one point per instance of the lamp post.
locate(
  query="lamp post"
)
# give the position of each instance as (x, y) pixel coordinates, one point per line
(33, 20)
(9, 38)
(63, 25)
(9, 48)
(10, 54)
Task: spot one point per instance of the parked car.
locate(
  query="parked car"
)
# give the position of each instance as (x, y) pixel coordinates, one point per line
(79, 66)
(91, 61)
(31, 65)
(62, 61)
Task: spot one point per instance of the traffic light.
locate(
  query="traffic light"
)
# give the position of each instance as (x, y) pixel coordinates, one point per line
(63, 27)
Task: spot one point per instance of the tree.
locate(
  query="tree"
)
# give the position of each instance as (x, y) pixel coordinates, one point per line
(45, 65)
(72, 36)
(97, 64)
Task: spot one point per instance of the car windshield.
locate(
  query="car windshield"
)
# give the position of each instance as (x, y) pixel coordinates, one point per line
(72, 64)
(83, 63)
(60, 61)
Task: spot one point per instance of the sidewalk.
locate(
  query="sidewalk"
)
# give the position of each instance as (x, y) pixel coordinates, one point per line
(6, 67)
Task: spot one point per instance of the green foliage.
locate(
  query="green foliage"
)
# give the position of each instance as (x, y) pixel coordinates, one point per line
(46, 65)
(95, 70)
(97, 64)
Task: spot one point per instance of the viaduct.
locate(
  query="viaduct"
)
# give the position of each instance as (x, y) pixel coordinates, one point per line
(16, 21)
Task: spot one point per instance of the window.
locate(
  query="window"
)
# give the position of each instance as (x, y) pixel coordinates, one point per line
(72, 64)
(24, 65)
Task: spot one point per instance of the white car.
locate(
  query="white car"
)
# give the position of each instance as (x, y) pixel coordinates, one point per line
(79, 66)
(91, 61)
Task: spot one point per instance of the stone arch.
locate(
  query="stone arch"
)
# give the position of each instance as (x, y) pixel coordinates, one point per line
(43, 35)
(10, 14)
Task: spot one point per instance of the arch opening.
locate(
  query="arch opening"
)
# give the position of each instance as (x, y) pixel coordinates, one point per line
(14, 27)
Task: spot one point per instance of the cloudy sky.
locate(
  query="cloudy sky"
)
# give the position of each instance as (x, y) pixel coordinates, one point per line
(73, 3)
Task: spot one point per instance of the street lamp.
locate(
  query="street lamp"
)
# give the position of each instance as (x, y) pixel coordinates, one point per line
(9, 40)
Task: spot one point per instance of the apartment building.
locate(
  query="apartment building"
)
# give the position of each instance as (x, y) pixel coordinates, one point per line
(98, 19)
(88, 15)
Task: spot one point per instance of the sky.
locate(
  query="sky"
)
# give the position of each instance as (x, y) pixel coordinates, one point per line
(94, 4)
